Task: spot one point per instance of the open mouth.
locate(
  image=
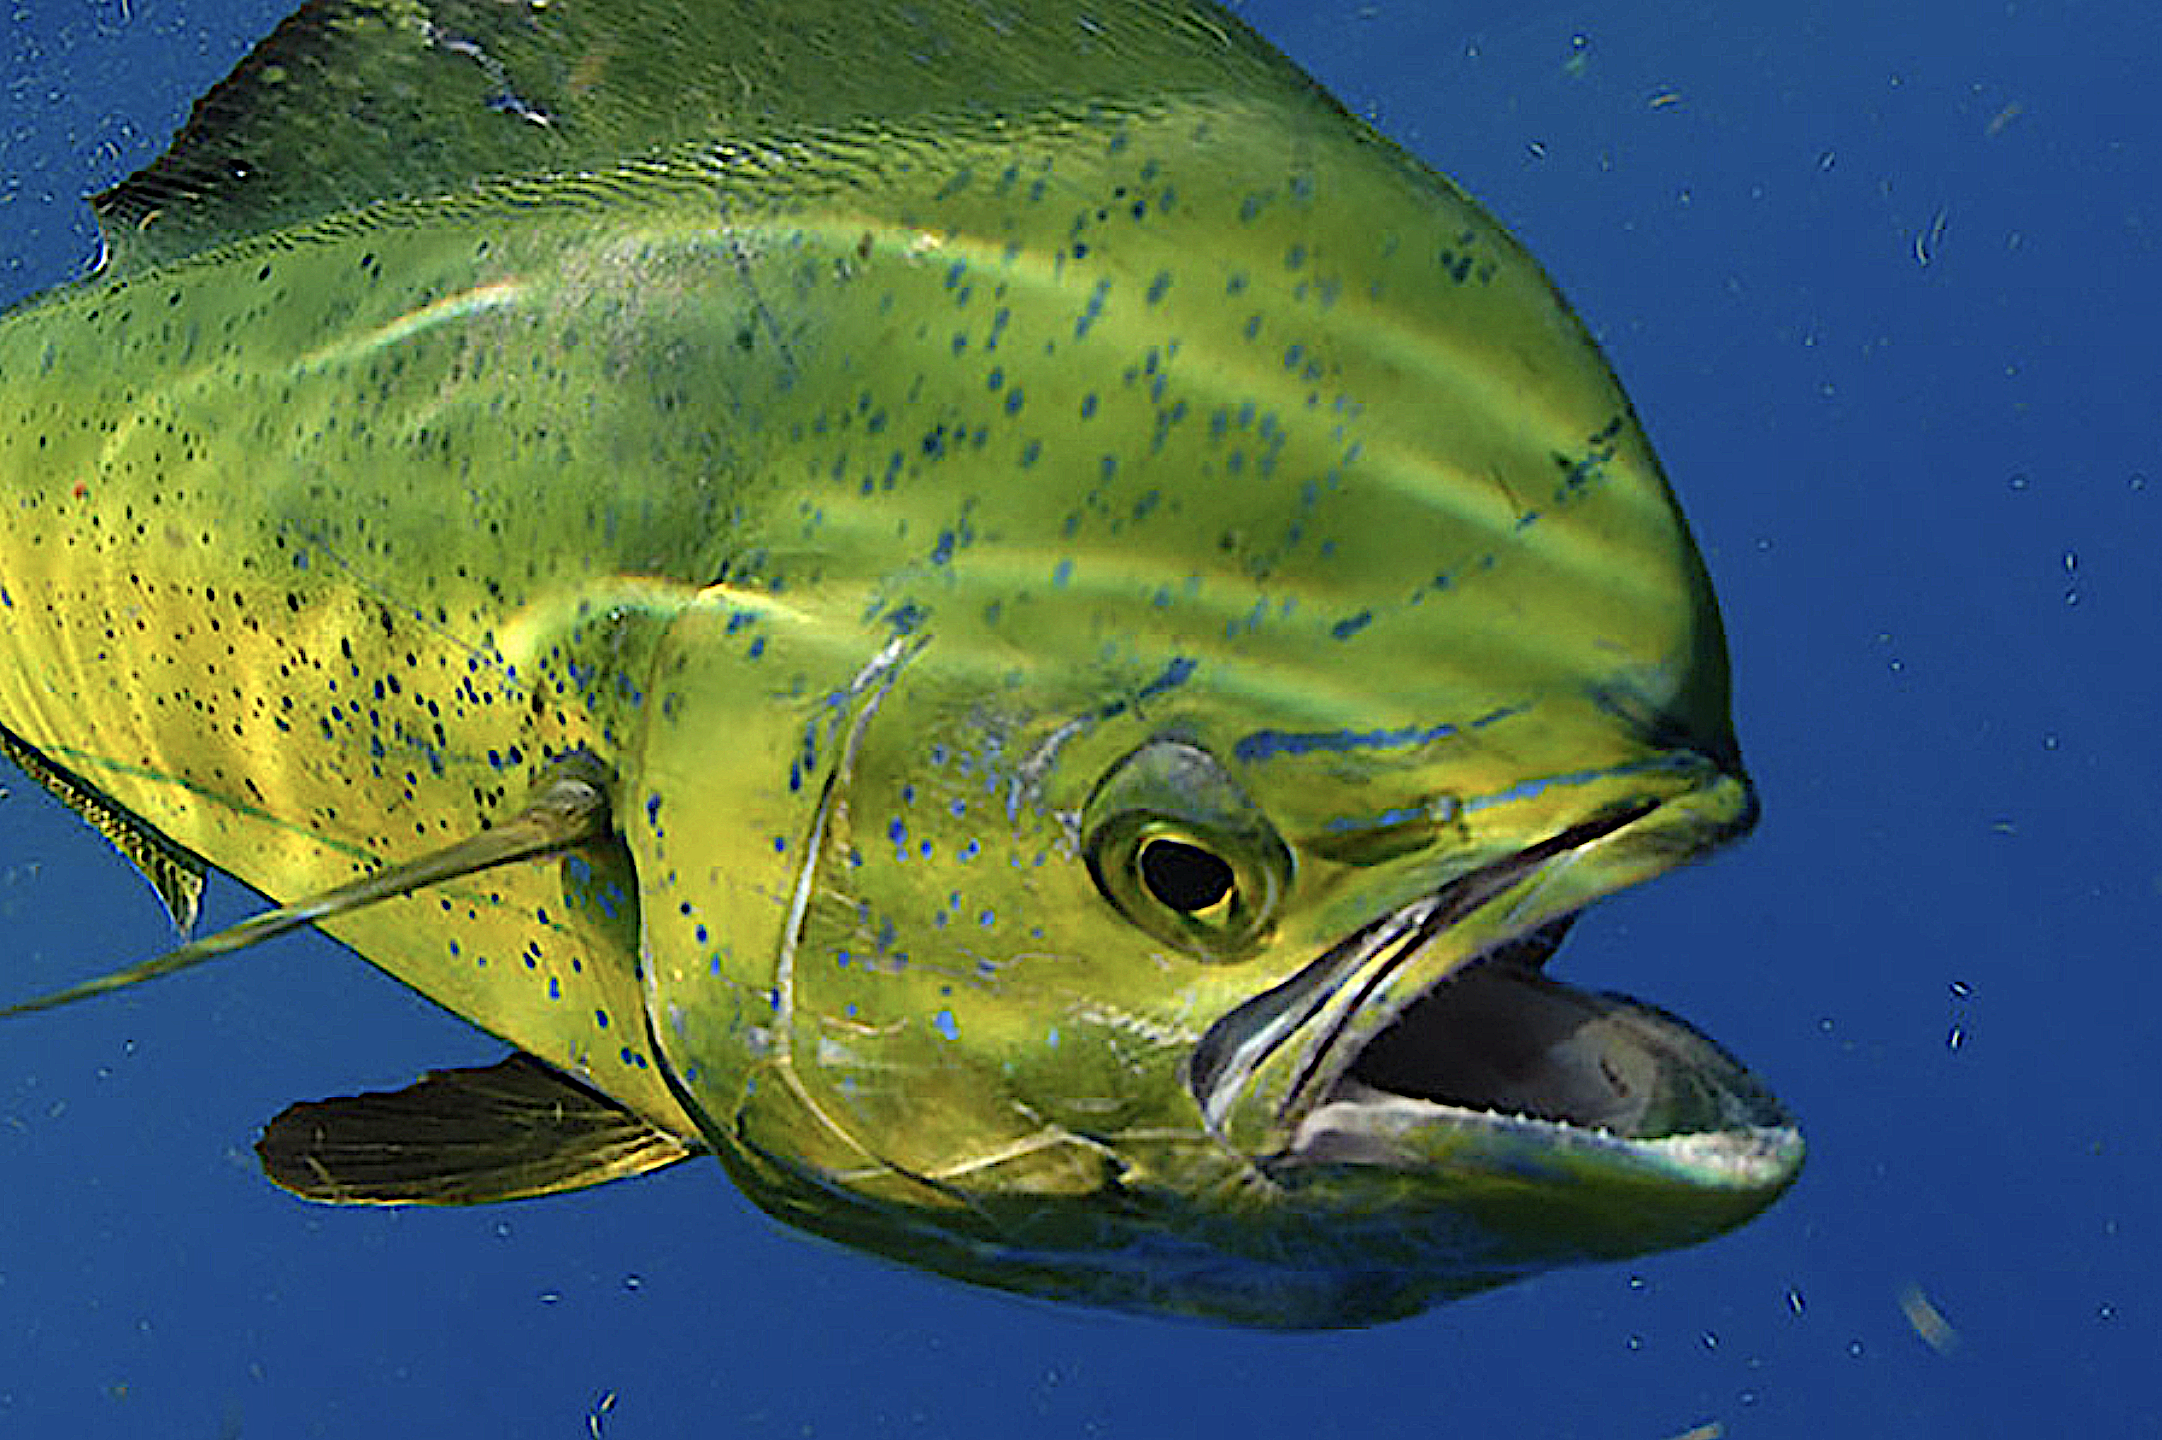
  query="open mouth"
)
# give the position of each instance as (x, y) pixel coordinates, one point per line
(1494, 1045)
(1501, 1039)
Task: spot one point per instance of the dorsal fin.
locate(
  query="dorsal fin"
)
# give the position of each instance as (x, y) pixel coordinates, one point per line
(568, 808)
(350, 102)
(175, 873)
(508, 1131)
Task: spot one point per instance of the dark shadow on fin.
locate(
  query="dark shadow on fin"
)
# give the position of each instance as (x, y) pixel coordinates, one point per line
(508, 1131)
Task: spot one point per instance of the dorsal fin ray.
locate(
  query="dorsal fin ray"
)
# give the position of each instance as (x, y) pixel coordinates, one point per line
(350, 102)
(569, 808)
(175, 873)
(509, 1131)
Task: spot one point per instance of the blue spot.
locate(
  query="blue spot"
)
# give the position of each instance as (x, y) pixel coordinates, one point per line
(1158, 286)
(1093, 310)
(780, 844)
(1014, 401)
(7, 601)
(1177, 673)
(600, 1018)
(555, 991)
(1345, 629)
(1030, 452)
(997, 378)
(653, 810)
(987, 919)
(945, 1023)
(943, 551)
(1061, 573)
(1088, 405)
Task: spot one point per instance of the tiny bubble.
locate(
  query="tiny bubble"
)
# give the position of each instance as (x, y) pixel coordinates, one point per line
(1961, 990)
(2019, 480)
(633, 1281)
(1794, 1299)
(1957, 1038)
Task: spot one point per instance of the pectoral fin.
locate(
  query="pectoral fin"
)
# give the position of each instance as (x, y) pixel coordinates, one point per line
(508, 1131)
(569, 808)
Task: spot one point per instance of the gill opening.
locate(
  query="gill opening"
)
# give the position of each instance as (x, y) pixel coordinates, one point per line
(873, 682)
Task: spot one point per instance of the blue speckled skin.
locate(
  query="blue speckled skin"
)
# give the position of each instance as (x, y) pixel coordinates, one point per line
(863, 482)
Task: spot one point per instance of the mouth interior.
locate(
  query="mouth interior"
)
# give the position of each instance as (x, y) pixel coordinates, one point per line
(1501, 1037)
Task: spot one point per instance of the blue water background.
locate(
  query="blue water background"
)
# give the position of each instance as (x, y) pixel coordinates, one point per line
(1883, 281)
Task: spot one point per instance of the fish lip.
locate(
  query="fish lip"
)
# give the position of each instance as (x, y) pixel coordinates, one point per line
(1341, 1003)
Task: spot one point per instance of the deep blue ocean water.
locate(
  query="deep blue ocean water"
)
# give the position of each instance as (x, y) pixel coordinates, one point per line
(1884, 282)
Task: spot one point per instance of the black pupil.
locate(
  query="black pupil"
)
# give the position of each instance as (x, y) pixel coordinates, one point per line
(1185, 877)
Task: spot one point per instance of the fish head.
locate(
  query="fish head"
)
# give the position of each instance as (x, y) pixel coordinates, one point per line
(1127, 870)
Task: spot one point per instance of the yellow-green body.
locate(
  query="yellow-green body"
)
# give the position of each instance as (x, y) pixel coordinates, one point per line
(861, 479)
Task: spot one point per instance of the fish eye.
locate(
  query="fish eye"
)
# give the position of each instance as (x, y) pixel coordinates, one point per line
(1185, 877)
(1183, 853)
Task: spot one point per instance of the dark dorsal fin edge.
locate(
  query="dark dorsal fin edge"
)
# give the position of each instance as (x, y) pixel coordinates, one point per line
(352, 102)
